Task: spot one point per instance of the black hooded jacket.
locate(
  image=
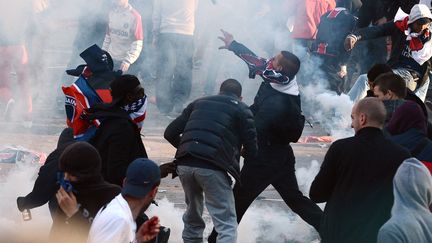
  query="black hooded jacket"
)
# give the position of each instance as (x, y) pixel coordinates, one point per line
(46, 186)
(91, 196)
(213, 129)
(118, 141)
(278, 116)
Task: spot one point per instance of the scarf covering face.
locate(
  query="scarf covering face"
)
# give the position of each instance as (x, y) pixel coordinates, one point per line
(274, 76)
(419, 45)
(137, 111)
(264, 67)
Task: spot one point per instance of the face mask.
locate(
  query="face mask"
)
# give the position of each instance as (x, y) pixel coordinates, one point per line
(66, 184)
(274, 76)
(137, 111)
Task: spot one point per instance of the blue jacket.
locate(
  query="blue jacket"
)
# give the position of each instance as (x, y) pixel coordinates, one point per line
(411, 139)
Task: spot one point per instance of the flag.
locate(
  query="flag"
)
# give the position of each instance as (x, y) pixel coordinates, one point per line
(79, 97)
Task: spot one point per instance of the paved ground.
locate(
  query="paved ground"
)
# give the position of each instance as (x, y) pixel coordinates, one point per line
(262, 223)
(42, 137)
(269, 220)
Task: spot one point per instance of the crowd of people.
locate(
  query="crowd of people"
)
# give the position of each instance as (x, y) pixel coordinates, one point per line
(377, 184)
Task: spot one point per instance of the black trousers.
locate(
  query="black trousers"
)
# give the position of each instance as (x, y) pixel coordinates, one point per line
(274, 165)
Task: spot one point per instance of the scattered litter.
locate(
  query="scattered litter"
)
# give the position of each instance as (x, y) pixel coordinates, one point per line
(17, 154)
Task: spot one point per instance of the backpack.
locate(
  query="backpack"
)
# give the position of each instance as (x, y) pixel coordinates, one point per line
(79, 97)
(333, 28)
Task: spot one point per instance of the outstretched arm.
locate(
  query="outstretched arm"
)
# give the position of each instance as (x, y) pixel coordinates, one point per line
(255, 63)
(234, 46)
(369, 33)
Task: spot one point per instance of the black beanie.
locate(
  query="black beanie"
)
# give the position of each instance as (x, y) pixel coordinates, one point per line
(80, 159)
(123, 85)
(65, 137)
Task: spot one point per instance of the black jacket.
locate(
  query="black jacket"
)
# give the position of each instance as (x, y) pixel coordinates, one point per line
(372, 10)
(277, 116)
(331, 34)
(355, 180)
(213, 129)
(45, 186)
(399, 46)
(416, 142)
(117, 140)
(91, 196)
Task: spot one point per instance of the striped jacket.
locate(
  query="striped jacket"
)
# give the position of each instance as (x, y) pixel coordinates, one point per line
(124, 37)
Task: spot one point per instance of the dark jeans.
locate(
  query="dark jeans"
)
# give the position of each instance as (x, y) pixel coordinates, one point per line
(330, 67)
(174, 77)
(274, 165)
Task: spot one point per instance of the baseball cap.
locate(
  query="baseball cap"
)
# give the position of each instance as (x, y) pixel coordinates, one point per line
(96, 59)
(141, 177)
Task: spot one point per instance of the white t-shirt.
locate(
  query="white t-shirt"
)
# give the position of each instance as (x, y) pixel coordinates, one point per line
(114, 223)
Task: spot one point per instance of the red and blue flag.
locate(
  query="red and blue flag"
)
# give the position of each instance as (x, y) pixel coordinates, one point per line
(79, 97)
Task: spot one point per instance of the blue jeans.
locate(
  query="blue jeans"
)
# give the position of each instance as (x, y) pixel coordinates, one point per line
(358, 91)
(219, 200)
(174, 71)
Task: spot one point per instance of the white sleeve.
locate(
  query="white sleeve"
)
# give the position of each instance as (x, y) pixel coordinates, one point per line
(112, 230)
(134, 52)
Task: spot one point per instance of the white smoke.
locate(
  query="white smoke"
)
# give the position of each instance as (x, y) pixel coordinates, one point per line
(332, 111)
(18, 182)
(261, 223)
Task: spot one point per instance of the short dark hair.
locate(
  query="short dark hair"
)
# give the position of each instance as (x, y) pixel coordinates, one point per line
(231, 86)
(422, 21)
(292, 64)
(391, 82)
(376, 70)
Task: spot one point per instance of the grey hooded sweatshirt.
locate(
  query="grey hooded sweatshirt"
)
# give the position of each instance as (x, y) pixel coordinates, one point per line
(411, 219)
